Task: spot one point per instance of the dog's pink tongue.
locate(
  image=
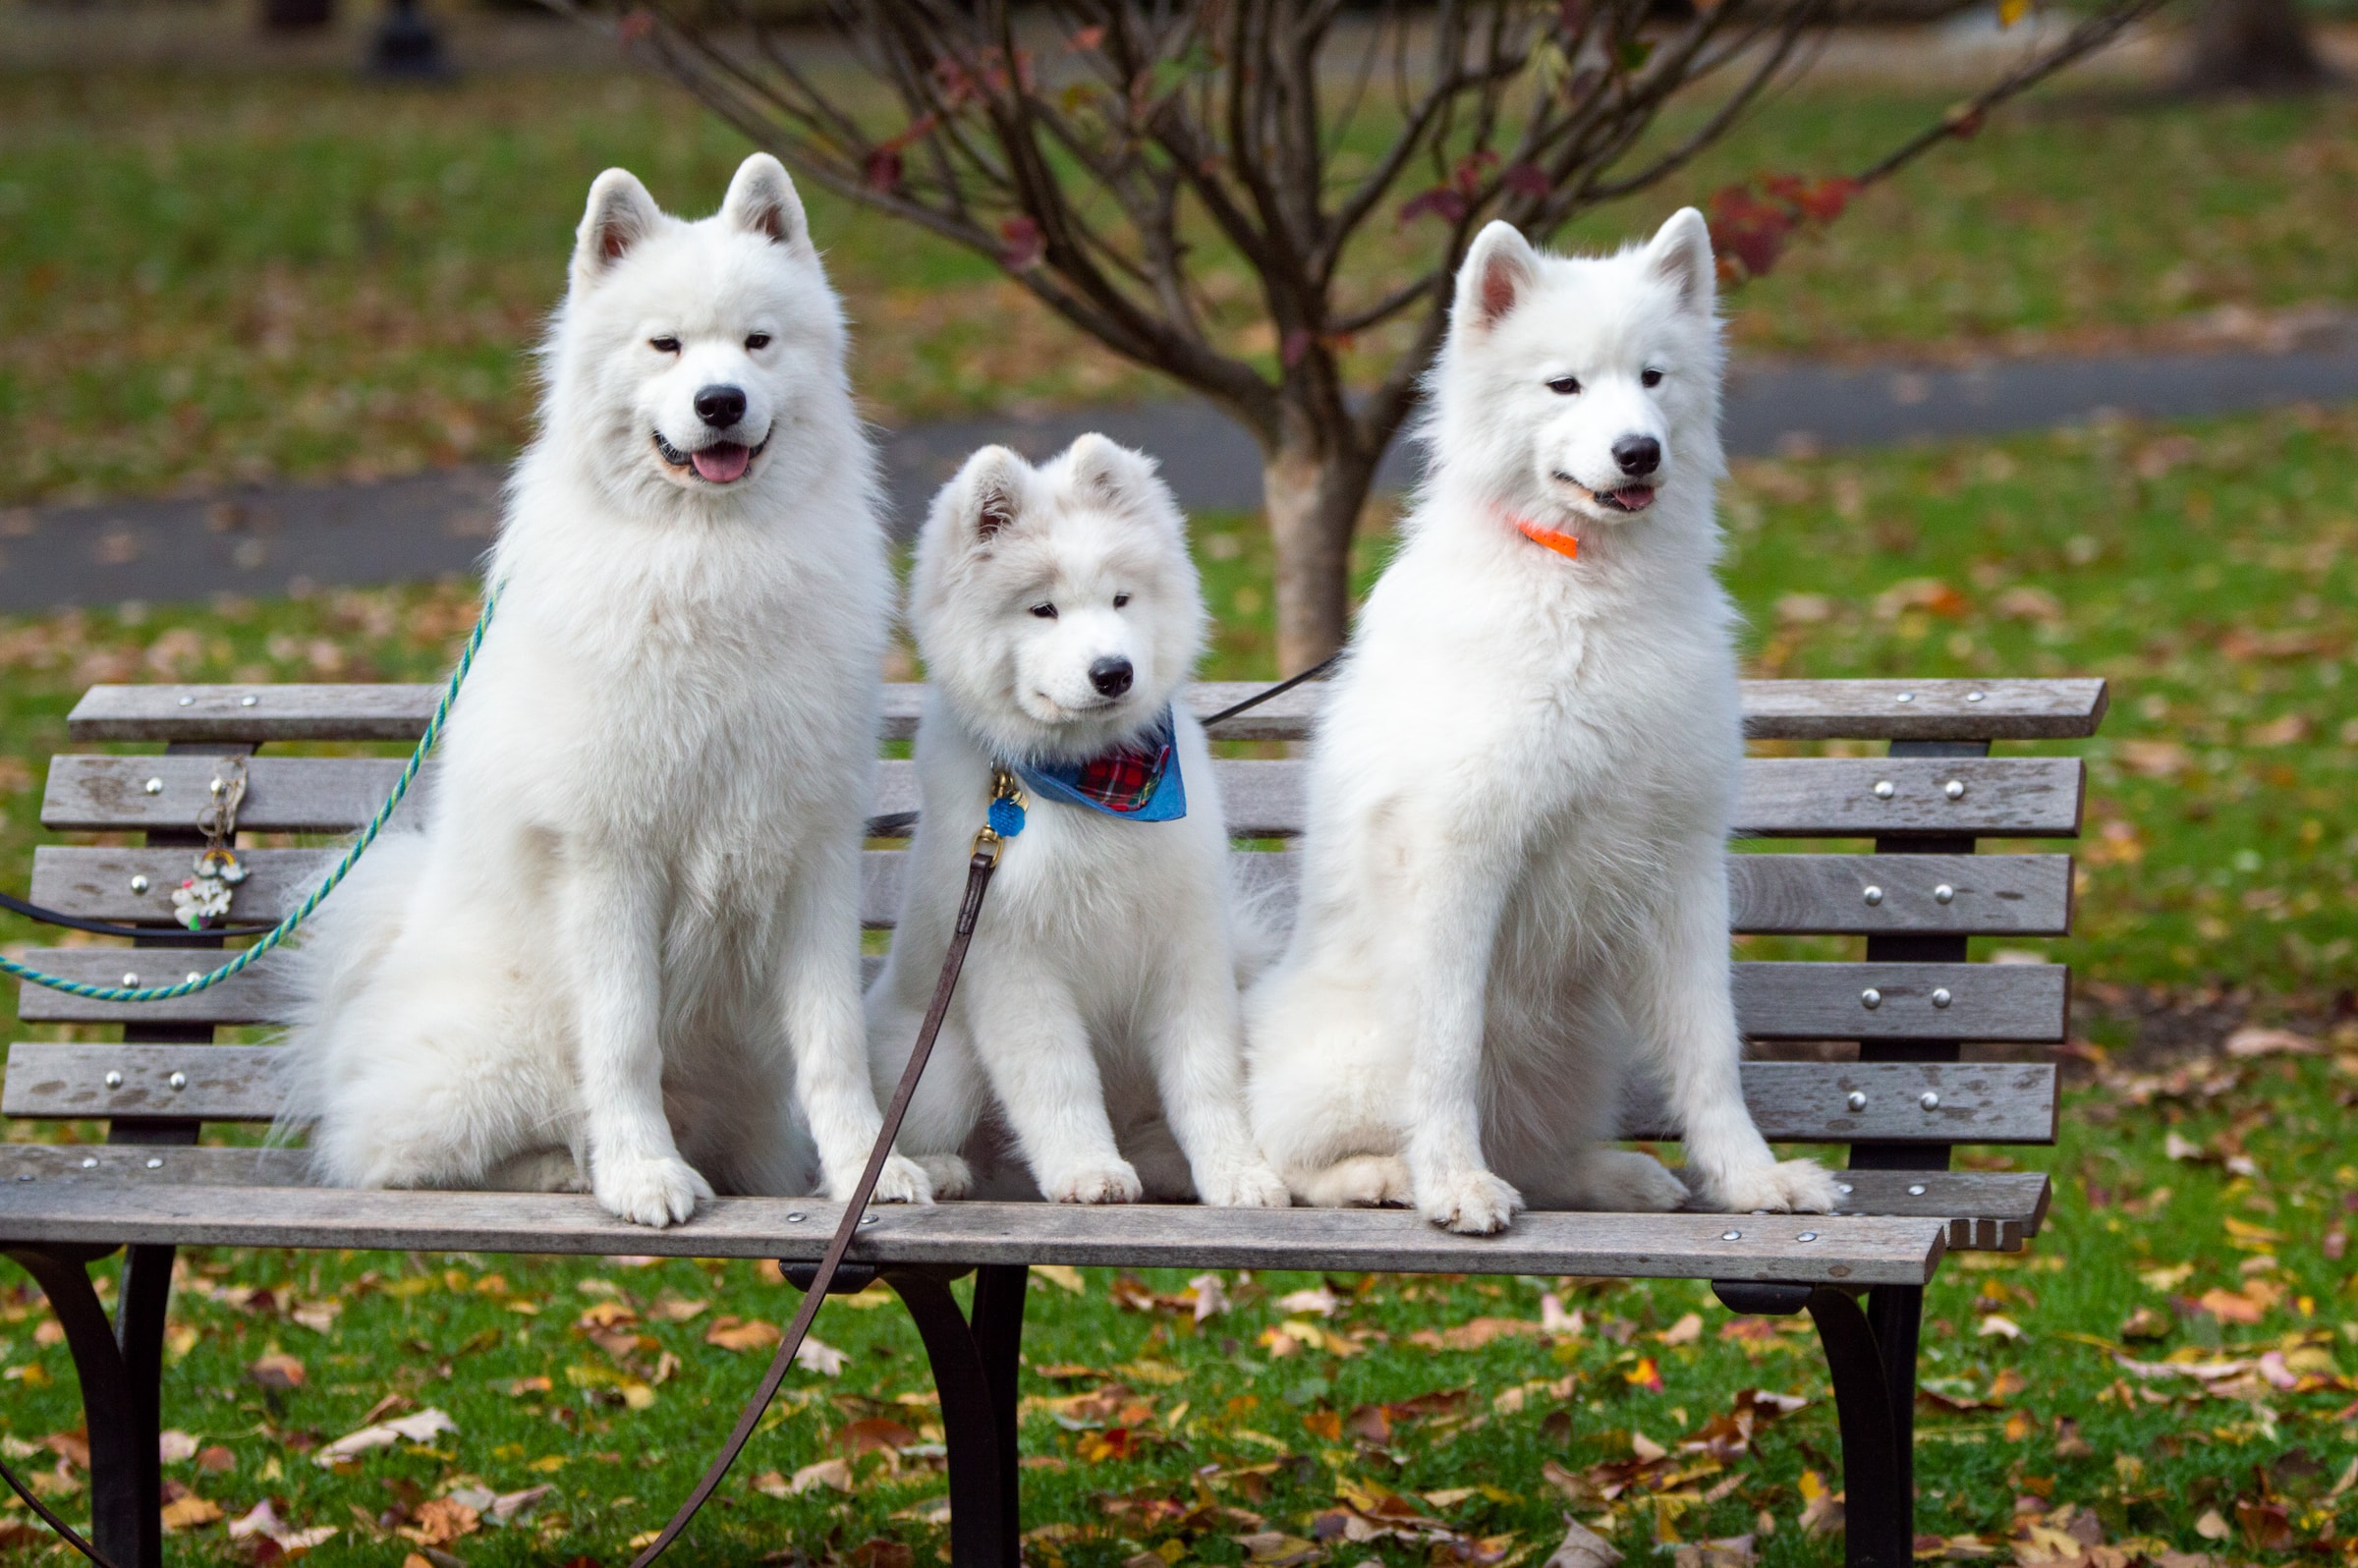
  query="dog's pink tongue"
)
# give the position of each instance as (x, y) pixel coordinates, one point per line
(722, 463)
(1637, 497)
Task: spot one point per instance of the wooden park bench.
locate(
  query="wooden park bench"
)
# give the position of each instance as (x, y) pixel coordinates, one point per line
(1901, 1106)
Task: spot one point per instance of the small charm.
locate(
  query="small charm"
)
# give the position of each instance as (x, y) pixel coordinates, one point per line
(1006, 817)
(200, 899)
(220, 863)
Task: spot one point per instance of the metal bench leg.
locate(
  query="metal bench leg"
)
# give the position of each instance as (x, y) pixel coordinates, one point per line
(1879, 1507)
(119, 1413)
(982, 1533)
(998, 1328)
(1896, 1314)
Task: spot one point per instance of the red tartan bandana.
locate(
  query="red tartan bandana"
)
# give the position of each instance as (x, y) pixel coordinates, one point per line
(1138, 780)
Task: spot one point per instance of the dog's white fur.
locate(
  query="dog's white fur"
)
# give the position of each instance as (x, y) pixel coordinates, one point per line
(1514, 886)
(623, 952)
(1103, 975)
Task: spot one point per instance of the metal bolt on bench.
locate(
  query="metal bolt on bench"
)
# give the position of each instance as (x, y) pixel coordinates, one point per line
(1906, 1101)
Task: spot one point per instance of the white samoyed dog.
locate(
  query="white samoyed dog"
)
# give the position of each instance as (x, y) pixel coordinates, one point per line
(1514, 887)
(1059, 615)
(623, 953)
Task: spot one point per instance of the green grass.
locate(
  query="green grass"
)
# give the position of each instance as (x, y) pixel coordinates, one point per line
(214, 278)
(2205, 569)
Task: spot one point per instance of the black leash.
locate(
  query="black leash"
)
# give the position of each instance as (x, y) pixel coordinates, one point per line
(75, 922)
(1280, 690)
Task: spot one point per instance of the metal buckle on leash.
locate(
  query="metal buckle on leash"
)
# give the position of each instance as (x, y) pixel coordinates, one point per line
(1005, 819)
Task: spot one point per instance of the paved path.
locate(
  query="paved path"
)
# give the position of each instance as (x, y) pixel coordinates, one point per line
(265, 541)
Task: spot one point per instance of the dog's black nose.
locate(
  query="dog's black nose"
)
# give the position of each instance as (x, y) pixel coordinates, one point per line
(723, 406)
(1110, 676)
(1637, 455)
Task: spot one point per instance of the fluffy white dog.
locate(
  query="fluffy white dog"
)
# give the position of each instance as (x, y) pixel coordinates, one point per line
(1058, 614)
(624, 950)
(1514, 887)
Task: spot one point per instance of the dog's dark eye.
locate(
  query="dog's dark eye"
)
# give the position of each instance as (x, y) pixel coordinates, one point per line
(1564, 385)
(760, 340)
(1046, 612)
(1120, 599)
(664, 345)
(1651, 378)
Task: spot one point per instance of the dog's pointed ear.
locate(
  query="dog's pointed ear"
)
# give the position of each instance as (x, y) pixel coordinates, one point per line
(1500, 269)
(1104, 472)
(992, 489)
(761, 200)
(620, 214)
(1680, 254)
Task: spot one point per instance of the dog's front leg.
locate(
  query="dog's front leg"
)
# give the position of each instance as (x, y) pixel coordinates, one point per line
(1686, 1021)
(1199, 1067)
(1034, 1047)
(613, 918)
(818, 999)
(1450, 898)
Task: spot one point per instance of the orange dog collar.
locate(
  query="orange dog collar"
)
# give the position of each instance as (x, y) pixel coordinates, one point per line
(1564, 544)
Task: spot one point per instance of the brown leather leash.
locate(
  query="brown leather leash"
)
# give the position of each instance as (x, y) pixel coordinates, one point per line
(978, 881)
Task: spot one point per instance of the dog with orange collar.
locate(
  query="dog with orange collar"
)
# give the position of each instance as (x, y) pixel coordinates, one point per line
(1514, 891)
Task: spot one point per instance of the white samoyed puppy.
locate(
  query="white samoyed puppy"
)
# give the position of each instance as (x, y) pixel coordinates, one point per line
(623, 953)
(1514, 887)
(1059, 614)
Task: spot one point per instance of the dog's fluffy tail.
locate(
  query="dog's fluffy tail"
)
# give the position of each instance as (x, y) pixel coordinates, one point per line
(327, 969)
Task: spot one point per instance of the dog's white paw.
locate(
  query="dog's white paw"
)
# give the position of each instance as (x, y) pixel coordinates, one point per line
(1117, 1182)
(1360, 1181)
(1794, 1187)
(649, 1189)
(1244, 1184)
(1472, 1202)
(950, 1174)
(1625, 1181)
(904, 1181)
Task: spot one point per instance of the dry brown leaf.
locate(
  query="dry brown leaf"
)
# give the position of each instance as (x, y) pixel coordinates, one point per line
(277, 1370)
(440, 1521)
(191, 1512)
(731, 1332)
(1583, 1547)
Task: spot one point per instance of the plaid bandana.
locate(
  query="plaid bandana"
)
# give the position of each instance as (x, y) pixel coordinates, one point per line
(1140, 781)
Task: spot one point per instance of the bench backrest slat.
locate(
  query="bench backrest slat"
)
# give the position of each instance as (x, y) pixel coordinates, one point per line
(1780, 797)
(1989, 895)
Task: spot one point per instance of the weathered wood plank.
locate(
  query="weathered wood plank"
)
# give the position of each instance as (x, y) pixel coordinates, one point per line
(58, 1205)
(1782, 796)
(1799, 1102)
(2013, 709)
(1773, 1001)
(1985, 1211)
(2011, 895)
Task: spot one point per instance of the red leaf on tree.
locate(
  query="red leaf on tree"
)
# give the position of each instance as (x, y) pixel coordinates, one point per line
(1440, 201)
(884, 169)
(634, 26)
(1297, 344)
(1524, 179)
(1023, 243)
(1087, 38)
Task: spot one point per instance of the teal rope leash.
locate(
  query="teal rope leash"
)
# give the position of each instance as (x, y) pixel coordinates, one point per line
(286, 927)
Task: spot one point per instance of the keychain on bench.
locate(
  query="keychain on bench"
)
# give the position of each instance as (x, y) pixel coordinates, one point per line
(205, 895)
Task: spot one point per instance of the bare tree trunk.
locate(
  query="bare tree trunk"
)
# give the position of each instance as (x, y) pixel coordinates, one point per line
(2252, 47)
(1313, 494)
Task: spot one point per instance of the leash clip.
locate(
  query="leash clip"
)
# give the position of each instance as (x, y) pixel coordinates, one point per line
(1005, 819)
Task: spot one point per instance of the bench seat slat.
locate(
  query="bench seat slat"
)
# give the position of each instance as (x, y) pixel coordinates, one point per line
(1806, 1102)
(1782, 796)
(1985, 1211)
(2011, 895)
(2010, 710)
(57, 1205)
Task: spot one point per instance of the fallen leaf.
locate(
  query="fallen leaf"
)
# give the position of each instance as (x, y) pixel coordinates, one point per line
(191, 1512)
(815, 1355)
(2147, 1322)
(731, 1332)
(2212, 1527)
(2230, 1306)
(2252, 1040)
(873, 1432)
(417, 1429)
(670, 1308)
(174, 1445)
(1644, 1375)
(834, 1472)
(277, 1370)
(440, 1521)
(1062, 1277)
(1318, 1301)
(1272, 1548)
(2266, 1526)
(1733, 1552)
(1685, 1331)
(1583, 1547)
(1997, 1326)
(1473, 1335)
(216, 1459)
(1646, 1447)
(1210, 1296)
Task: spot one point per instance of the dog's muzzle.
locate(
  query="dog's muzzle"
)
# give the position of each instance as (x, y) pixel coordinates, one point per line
(716, 462)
